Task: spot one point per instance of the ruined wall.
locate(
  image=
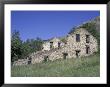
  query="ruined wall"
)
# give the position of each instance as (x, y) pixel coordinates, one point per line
(69, 48)
(71, 41)
(72, 45)
(21, 62)
(46, 45)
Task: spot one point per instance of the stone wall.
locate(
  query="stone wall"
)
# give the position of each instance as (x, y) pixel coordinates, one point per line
(21, 62)
(71, 49)
(46, 45)
(73, 45)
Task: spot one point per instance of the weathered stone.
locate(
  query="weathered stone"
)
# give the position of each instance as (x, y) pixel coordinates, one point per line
(72, 49)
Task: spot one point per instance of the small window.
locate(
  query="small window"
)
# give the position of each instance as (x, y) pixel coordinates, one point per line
(87, 38)
(51, 45)
(65, 42)
(77, 37)
(59, 44)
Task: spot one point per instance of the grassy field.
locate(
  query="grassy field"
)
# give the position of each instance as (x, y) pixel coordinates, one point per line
(79, 67)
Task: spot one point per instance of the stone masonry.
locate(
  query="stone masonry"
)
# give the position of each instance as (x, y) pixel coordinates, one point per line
(78, 44)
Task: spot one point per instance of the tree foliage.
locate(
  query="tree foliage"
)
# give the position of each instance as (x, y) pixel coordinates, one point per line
(31, 45)
(20, 49)
(16, 44)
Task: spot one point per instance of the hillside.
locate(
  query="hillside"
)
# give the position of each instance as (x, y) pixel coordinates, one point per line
(96, 22)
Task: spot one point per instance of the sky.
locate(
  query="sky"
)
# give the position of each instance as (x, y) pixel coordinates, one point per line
(48, 24)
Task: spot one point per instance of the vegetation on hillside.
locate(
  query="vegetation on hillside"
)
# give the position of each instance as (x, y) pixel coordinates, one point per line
(63, 40)
(75, 67)
(21, 49)
(72, 30)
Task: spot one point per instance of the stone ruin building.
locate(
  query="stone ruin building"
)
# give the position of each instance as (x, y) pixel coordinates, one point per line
(78, 44)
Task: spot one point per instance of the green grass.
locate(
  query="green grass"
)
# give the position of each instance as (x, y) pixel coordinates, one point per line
(79, 67)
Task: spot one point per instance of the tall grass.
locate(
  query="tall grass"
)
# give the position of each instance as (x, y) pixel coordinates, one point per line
(75, 67)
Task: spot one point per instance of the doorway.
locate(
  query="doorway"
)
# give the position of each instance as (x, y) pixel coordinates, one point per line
(29, 60)
(51, 45)
(45, 58)
(65, 55)
(77, 53)
(87, 49)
